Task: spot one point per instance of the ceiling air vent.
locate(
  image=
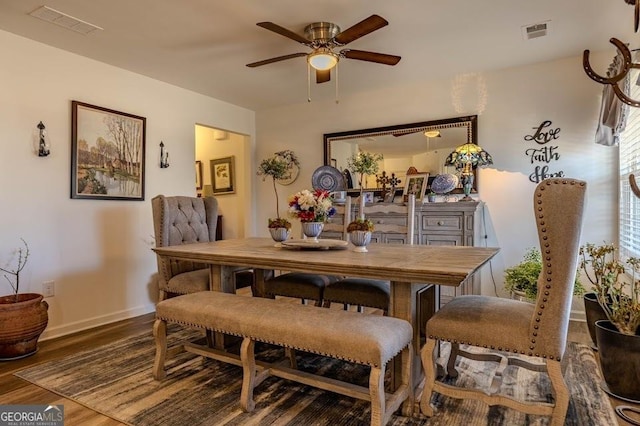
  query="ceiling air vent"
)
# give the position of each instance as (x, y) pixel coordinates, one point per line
(536, 30)
(69, 22)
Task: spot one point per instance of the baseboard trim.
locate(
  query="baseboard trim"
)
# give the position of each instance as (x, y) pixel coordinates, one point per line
(577, 316)
(63, 330)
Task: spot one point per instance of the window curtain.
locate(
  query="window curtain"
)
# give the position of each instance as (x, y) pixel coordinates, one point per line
(613, 112)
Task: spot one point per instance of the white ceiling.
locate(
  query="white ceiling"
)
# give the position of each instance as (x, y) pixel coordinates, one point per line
(204, 45)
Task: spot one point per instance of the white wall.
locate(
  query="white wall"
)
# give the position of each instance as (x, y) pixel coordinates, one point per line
(97, 252)
(518, 99)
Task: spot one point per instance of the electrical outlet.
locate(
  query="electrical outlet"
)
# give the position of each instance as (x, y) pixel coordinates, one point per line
(48, 288)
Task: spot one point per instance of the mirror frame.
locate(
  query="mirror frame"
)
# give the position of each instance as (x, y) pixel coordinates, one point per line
(470, 122)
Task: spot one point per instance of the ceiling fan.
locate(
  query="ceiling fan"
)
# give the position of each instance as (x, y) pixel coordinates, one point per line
(323, 37)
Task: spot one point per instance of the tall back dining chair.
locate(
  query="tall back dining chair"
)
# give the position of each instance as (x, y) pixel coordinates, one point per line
(534, 329)
(307, 286)
(394, 223)
(183, 220)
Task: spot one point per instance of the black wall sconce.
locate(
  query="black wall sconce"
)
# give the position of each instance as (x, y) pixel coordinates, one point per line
(44, 147)
(164, 157)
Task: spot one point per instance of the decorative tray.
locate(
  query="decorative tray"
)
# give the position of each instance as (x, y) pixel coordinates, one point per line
(311, 244)
(328, 178)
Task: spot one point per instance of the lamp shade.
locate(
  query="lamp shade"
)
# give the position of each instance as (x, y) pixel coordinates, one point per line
(468, 154)
(322, 59)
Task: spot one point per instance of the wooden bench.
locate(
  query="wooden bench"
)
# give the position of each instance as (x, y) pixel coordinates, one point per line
(365, 339)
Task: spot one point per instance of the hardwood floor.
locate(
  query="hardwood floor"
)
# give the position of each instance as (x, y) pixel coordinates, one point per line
(17, 391)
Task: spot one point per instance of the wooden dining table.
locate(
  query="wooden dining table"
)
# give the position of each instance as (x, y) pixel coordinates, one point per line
(409, 268)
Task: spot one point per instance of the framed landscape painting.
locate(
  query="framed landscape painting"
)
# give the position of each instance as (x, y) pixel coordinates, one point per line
(107, 153)
(222, 175)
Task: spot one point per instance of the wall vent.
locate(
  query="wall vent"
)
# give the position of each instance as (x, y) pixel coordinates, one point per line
(69, 22)
(540, 29)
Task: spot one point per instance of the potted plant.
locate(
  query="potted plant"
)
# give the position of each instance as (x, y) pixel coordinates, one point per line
(279, 166)
(360, 234)
(23, 315)
(617, 290)
(521, 280)
(364, 163)
(313, 209)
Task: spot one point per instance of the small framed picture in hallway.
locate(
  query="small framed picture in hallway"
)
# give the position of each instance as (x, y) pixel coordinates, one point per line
(222, 175)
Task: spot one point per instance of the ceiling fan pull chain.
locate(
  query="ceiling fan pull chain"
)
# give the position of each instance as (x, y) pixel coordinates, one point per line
(308, 82)
(338, 100)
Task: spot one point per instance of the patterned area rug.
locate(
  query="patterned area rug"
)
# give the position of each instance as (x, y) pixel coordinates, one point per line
(116, 380)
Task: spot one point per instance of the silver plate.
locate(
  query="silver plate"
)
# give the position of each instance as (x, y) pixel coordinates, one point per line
(328, 178)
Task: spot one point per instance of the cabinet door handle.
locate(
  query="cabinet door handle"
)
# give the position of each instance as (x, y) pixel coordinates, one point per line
(380, 221)
(440, 223)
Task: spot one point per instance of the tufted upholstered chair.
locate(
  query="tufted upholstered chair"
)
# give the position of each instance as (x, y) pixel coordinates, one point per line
(366, 292)
(306, 286)
(183, 220)
(506, 325)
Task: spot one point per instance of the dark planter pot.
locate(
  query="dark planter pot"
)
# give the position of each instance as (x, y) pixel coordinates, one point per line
(619, 360)
(594, 312)
(22, 321)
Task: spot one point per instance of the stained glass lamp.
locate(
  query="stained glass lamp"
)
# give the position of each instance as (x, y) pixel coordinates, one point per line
(466, 158)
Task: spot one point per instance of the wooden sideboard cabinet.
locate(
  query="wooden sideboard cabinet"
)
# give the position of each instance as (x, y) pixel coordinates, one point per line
(453, 223)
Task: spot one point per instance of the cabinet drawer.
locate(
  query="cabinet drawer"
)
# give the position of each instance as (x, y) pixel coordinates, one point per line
(442, 223)
(388, 220)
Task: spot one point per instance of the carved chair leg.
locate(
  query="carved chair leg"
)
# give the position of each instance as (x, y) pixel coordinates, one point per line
(160, 334)
(248, 375)
(291, 354)
(451, 363)
(429, 366)
(376, 391)
(560, 393)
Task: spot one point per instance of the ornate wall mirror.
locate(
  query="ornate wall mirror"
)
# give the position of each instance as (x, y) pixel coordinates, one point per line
(424, 146)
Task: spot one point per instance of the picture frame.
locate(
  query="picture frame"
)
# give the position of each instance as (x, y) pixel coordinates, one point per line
(416, 184)
(223, 175)
(198, 174)
(107, 153)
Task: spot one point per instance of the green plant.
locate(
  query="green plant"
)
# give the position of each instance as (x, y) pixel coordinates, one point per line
(618, 293)
(23, 256)
(524, 276)
(360, 225)
(364, 163)
(278, 166)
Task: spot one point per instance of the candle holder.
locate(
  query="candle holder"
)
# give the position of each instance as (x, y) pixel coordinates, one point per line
(164, 157)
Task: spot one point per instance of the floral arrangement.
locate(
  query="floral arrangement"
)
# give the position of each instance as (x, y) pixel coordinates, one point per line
(618, 294)
(23, 255)
(278, 166)
(364, 163)
(316, 206)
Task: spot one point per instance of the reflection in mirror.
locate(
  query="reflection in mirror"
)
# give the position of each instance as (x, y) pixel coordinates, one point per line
(423, 146)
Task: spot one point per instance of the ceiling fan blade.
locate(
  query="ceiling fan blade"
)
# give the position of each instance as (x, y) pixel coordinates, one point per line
(284, 32)
(322, 76)
(362, 55)
(362, 28)
(276, 59)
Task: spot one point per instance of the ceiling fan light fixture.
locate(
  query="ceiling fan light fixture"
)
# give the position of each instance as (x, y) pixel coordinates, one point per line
(432, 133)
(322, 59)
